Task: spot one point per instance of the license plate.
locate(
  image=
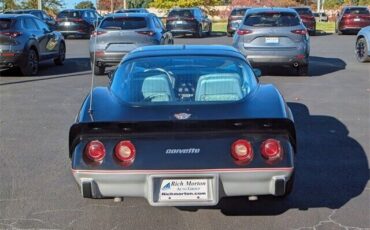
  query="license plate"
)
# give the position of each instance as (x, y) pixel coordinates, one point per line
(271, 40)
(180, 22)
(121, 47)
(67, 23)
(184, 190)
(357, 19)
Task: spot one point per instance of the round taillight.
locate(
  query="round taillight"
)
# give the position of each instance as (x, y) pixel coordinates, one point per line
(271, 149)
(125, 151)
(95, 150)
(242, 151)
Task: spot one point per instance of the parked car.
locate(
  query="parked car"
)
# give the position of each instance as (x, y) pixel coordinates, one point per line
(38, 13)
(133, 10)
(321, 17)
(235, 18)
(77, 22)
(25, 40)
(363, 45)
(351, 19)
(182, 21)
(308, 18)
(157, 131)
(118, 34)
(274, 36)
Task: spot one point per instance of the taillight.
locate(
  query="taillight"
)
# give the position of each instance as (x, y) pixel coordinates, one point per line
(243, 31)
(148, 33)
(97, 33)
(95, 150)
(125, 152)
(170, 19)
(76, 19)
(271, 150)
(300, 32)
(11, 34)
(242, 151)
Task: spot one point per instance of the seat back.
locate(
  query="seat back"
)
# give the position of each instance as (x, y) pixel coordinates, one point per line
(219, 87)
(157, 89)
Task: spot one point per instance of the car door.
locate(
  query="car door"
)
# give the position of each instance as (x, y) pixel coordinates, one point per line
(207, 22)
(36, 34)
(49, 41)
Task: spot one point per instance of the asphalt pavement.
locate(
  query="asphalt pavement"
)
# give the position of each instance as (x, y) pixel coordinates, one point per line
(332, 113)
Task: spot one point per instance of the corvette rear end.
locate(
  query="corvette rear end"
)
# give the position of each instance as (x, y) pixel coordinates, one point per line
(170, 143)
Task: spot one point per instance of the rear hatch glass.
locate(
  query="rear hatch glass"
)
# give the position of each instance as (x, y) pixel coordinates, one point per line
(272, 19)
(5, 24)
(238, 12)
(123, 23)
(181, 14)
(357, 11)
(304, 11)
(69, 14)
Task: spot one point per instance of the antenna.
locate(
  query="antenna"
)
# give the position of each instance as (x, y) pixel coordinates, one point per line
(90, 111)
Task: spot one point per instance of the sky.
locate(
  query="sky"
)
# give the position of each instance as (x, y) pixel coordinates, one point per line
(70, 4)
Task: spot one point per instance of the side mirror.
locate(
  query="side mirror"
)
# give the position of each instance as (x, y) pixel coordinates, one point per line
(46, 31)
(257, 72)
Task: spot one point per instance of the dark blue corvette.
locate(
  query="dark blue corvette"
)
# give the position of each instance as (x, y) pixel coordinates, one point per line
(183, 126)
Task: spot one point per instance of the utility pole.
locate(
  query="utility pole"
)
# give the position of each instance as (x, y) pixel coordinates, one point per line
(318, 5)
(124, 4)
(111, 6)
(39, 5)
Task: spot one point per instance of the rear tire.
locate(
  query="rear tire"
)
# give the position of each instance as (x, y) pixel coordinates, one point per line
(99, 70)
(199, 33)
(62, 54)
(362, 50)
(209, 33)
(31, 67)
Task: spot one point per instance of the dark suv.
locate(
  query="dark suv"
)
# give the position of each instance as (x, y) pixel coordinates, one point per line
(308, 19)
(25, 40)
(235, 19)
(38, 13)
(188, 21)
(77, 23)
(352, 19)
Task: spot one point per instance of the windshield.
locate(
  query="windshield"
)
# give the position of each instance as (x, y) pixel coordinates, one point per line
(123, 23)
(183, 80)
(181, 13)
(356, 11)
(272, 19)
(69, 14)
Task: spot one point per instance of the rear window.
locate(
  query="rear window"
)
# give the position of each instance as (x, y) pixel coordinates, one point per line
(303, 11)
(272, 19)
(183, 80)
(238, 12)
(69, 14)
(181, 13)
(128, 11)
(5, 24)
(124, 23)
(356, 11)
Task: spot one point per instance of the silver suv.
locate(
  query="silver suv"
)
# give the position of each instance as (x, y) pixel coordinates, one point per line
(274, 36)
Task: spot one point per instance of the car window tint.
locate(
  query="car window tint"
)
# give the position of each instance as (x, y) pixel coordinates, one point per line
(183, 80)
(304, 11)
(238, 12)
(181, 13)
(69, 14)
(29, 24)
(5, 24)
(272, 19)
(123, 23)
(42, 25)
(156, 23)
(356, 11)
(159, 22)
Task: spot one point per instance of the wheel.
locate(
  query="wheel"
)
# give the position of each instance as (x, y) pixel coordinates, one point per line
(209, 33)
(99, 70)
(362, 50)
(62, 54)
(312, 33)
(199, 33)
(302, 70)
(31, 65)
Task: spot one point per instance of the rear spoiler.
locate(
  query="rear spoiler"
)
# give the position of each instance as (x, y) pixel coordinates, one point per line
(275, 125)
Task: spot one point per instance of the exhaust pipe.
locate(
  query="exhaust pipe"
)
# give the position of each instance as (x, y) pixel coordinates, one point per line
(295, 64)
(10, 65)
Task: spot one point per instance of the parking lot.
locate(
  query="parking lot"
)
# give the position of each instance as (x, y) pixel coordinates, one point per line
(331, 108)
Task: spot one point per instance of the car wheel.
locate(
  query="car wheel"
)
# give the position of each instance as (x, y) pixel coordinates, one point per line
(339, 32)
(199, 34)
(312, 33)
(362, 50)
(99, 70)
(302, 70)
(31, 65)
(62, 54)
(209, 33)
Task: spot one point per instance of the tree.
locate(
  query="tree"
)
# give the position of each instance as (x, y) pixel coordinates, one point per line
(9, 5)
(138, 3)
(107, 4)
(50, 6)
(85, 5)
(168, 4)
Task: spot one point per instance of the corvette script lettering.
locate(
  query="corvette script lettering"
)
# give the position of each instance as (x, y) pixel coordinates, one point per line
(183, 151)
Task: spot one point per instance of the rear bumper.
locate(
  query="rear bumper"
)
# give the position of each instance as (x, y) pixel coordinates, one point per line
(11, 61)
(224, 183)
(183, 31)
(108, 59)
(74, 32)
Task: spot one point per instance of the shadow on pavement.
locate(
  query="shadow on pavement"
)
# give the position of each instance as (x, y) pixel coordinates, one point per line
(321, 33)
(318, 66)
(331, 168)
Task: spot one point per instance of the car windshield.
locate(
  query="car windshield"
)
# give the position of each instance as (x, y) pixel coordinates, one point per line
(356, 11)
(272, 19)
(183, 80)
(123, 23)
(5, 24)
(181, 13)
(304, 11)
(238, 12)
(69, 14)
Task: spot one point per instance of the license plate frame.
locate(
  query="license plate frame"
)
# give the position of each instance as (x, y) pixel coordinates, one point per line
(272, 40)
(67, 23)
